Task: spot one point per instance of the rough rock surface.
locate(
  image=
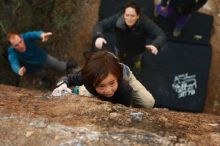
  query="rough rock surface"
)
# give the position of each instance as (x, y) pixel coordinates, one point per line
(28, 117)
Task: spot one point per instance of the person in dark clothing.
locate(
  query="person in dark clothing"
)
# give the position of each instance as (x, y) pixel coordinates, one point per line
(180, 9)
(133, 31)
(104, 77)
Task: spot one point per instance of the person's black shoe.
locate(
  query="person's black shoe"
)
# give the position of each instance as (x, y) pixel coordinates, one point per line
(45, 82)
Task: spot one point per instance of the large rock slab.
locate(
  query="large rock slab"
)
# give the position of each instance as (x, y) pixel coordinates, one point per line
(28, 117)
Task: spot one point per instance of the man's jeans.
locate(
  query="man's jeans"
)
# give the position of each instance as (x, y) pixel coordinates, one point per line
(51, 63)
(54, 63)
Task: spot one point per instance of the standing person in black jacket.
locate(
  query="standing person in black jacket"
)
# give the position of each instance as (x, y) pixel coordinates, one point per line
(133, 31)
(182, 11)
